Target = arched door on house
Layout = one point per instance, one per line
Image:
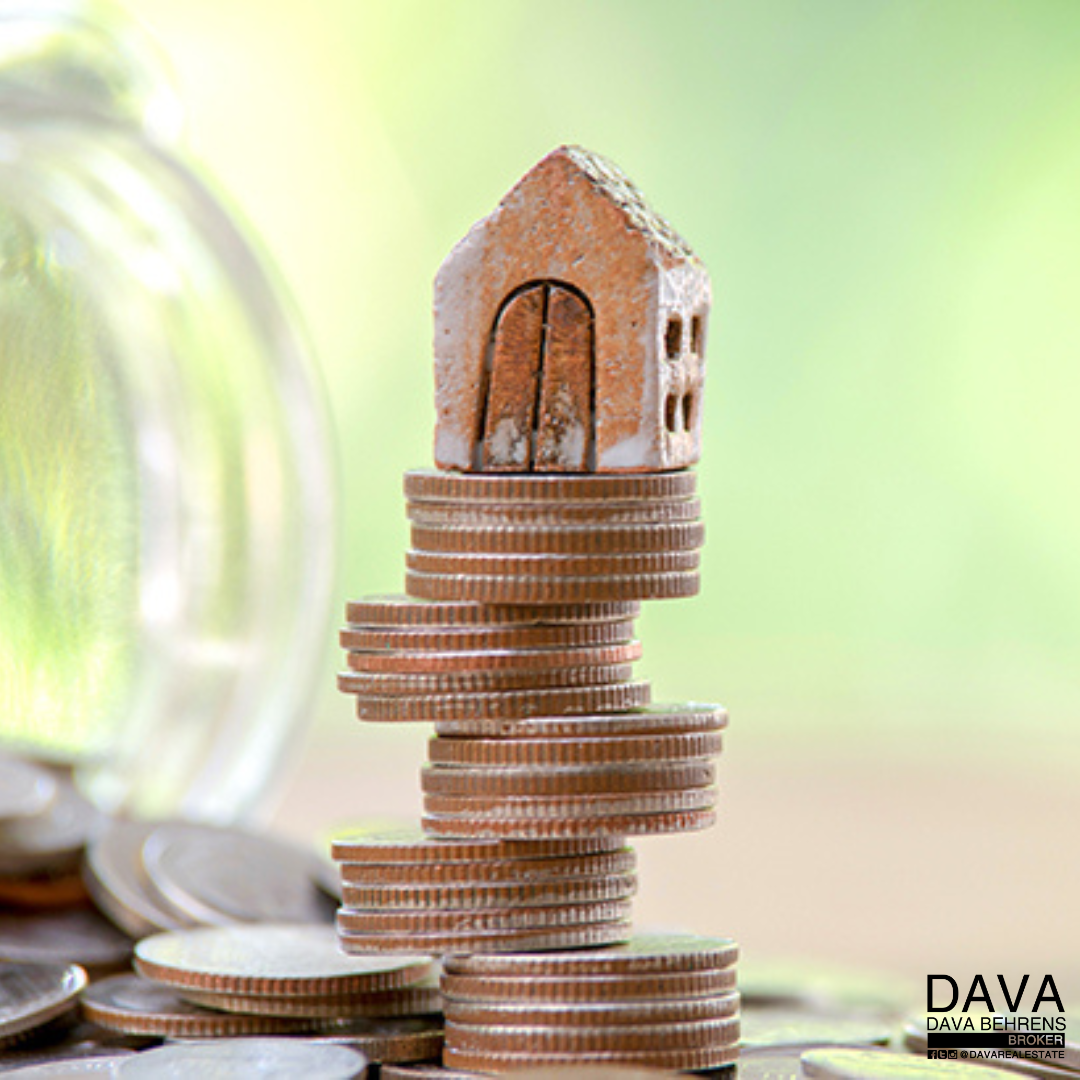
(538, 409)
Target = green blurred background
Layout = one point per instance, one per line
(887, 195)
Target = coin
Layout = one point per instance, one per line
(572, 540)
(282, 1058)
(33, 994)
(625, 778)
(549, 487)
(390, 842)
(78, 936)
(267, 959)
(396, 611)
(401, 1040)
(509, 589)
(574, 890)
(550, 753)
(774, 1028)
(481, 680)
(218, 876)
(656, 719)
(529, 808)
(138, 1006)
(769, 1065)
(846, 1064)
(487, 638)
(565, 937)
(423, 1072)
(552, 566)
(597, 514)
(643, 954)
(694, 1060)
(644, 824)
(25, 789)
(507, 1011)
(52, 840)
(531, 660)
(504, 704)
(571, 988)
(41, 892)
(479, 920)
(106, 1064)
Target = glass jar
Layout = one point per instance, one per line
(167, 528)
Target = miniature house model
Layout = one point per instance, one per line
(570, 331)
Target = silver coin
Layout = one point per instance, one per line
(73, 1068)
(33, 994)
(768, 1065)
(241, 1058)
(52, 841)
(218, 876)
(25, 789)
(848, 1064)
(77, 936)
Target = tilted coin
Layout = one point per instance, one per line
(598, 779)
(580, 540)
(644, 954)
(401, 1040)
(506, 704)
(506, 872)
(104, 1064)
(52, 840)
(572, 890)
(218, 876)
(553, 566)
(268, 958)
(593, 1014)
(642, 824)
(395, 611)
(576, 807)
(383, 842)
(33, 994)
(138, 1006)
(847, 1064)
(26, 789)
(479, 920)
(600, 514)
(548, 487)
(117, 880)
(673, 1058)
(774, 1028)
(403, 662)
(78, 936)
(284, 1059)
(678, 986)
(465, 682)
(485, 638)
(492, 753)
(564, 937)
(510, 589)
(655, 719)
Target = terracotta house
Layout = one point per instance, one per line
(570, 330)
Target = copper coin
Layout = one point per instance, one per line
(712, 1057)
(552, 566)
(849, 1064)
(383, 842)
(593, 1014)
(548, 753)
(423, 1071)
(395, 611)
(656, 719)
(414, 663)
(396, 1040)
(585, 936)
(581, 540)
(43, 892)
(219, 876)
(775, 1028)
(530, 808)
(505, 872)
(643, 824)
(489, 638)
(121, 888)
(138, 1006)
(52, 841)
(570, 989)
(506, 704)
(546, 487)
(25, 789)
(281, 1058)
(479, 920)
(576, 890)
(33, 994)
(480, 680)
(267, 959)
(600, 779)
(493, 589)
(645, 954)
(551, 516)
(79, 936)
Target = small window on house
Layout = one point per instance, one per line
(688, 411)
(673, 338)
(671, 413)
(695, 335)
